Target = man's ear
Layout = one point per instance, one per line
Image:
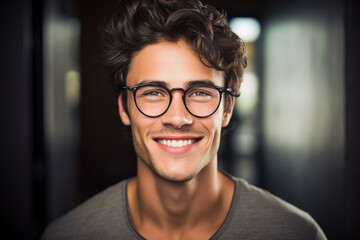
(228, 113)
(123, 114)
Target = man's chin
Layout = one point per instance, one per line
(173, 178)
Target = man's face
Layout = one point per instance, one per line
(176, 65)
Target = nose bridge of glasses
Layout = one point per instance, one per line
(176, 89)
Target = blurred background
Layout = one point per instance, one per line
(295, 131)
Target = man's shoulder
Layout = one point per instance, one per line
(253, 199)
(92, 218)
(256, 211)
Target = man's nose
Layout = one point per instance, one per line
(177, 115)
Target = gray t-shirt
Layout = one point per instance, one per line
(254, 214)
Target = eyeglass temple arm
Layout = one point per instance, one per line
(229, 91)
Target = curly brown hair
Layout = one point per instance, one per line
(138, 23)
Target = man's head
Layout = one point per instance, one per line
(190, 58)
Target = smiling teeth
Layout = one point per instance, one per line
(174, 143)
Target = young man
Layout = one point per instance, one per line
(177, 68)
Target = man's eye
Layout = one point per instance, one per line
(153, 93)
(199, 94)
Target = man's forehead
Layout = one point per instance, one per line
(173, 63)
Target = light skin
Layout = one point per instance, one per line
(178, 192)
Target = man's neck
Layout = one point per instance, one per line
(159, 207)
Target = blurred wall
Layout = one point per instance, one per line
(352, 98)
(304, 108)
(106, 153)
(61, 84)
(16, 121)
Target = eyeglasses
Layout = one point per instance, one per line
(154, 99)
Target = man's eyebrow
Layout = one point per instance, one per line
(161, 83)
(199, 82)
(188, 84)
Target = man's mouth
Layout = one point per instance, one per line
(177, 143)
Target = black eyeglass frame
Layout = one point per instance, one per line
(221, 90)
